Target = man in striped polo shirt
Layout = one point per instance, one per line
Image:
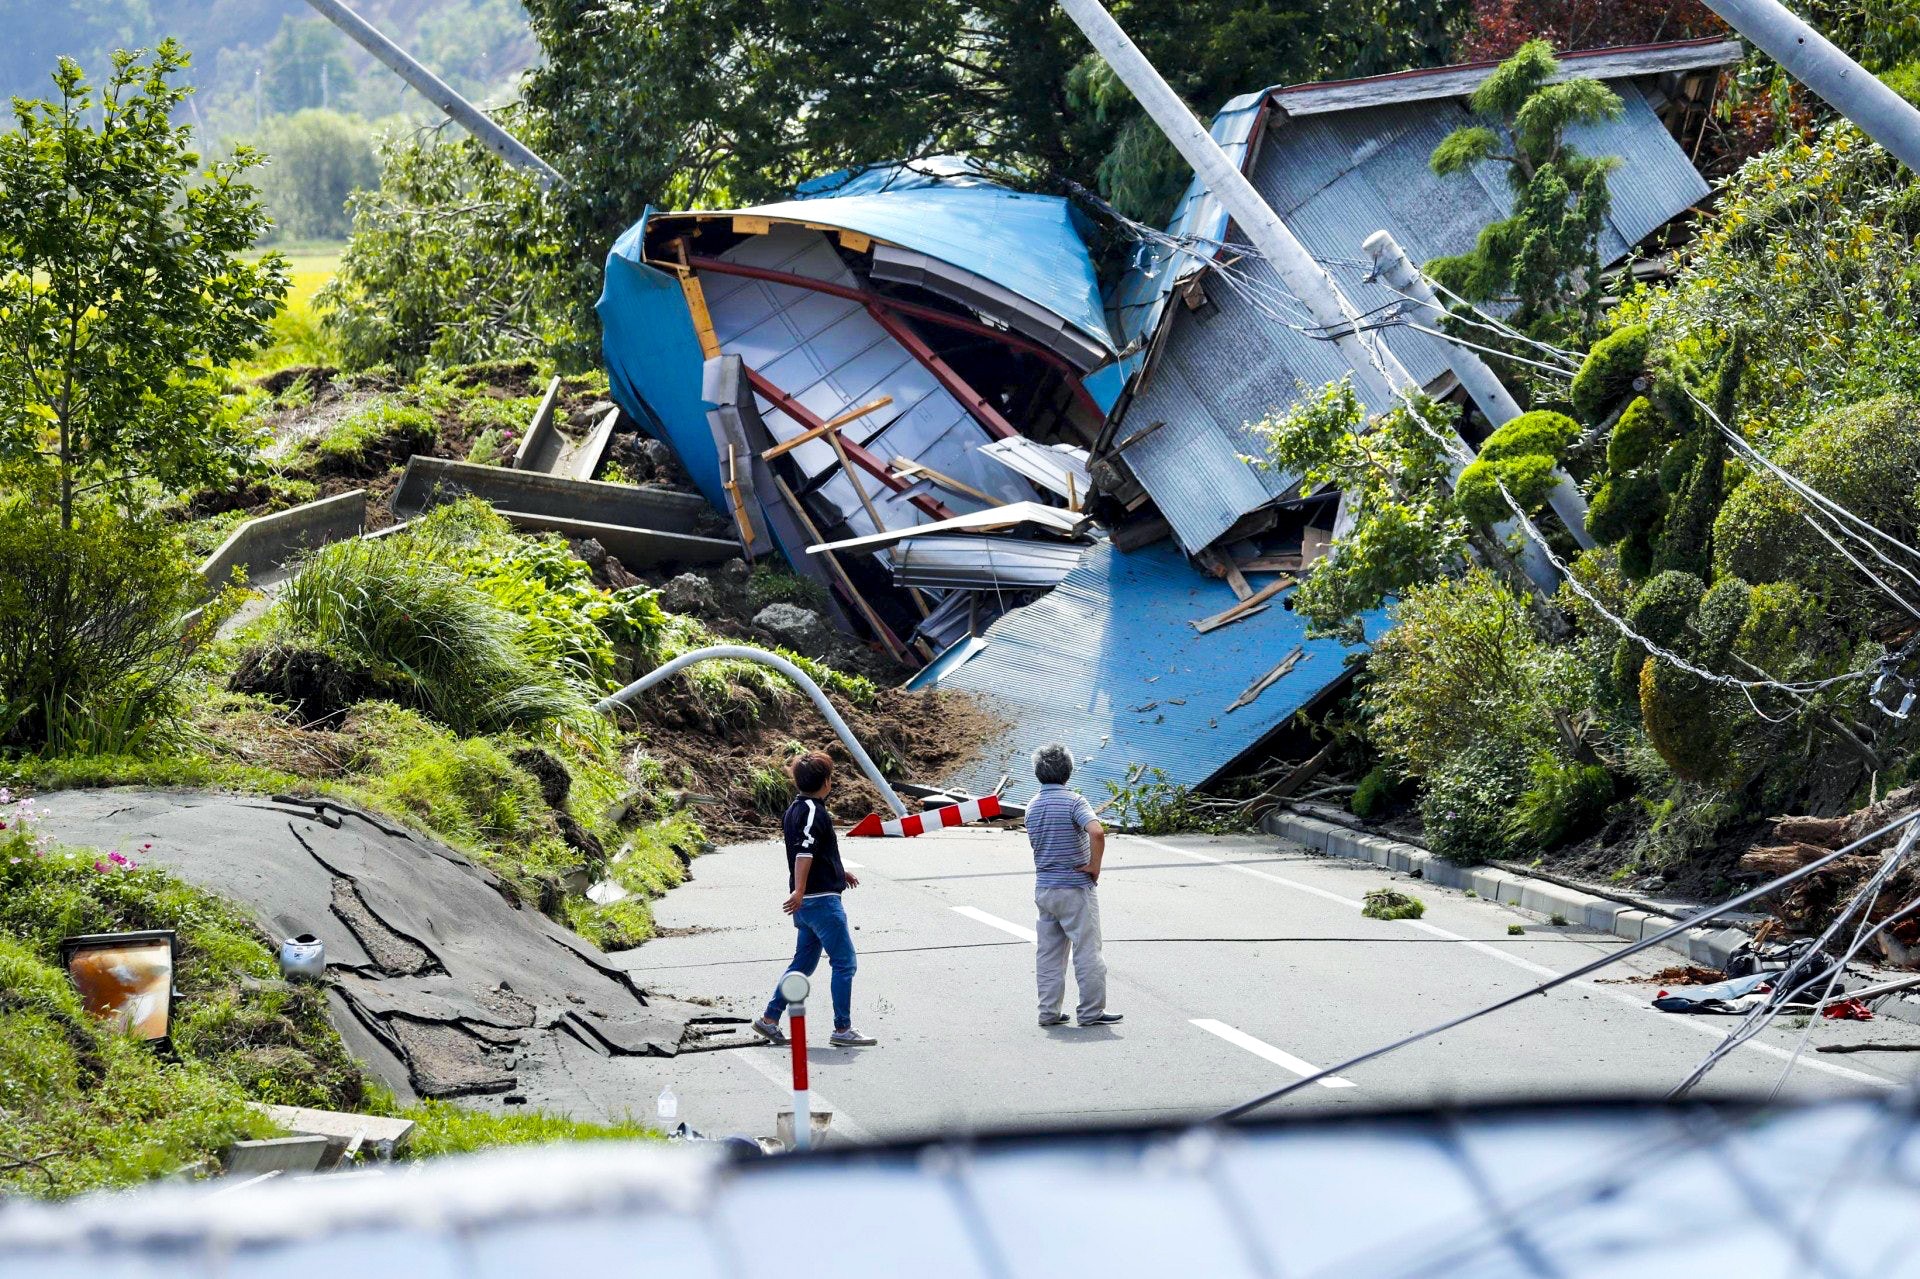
(1068, 843)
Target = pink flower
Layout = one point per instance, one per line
(100, 866)
(117, 859)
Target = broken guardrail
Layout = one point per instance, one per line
(607, 705)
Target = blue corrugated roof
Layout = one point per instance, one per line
(1107, 664)
(950, 209)
(1335, 179)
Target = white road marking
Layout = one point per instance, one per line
(1267, 1052)
(1679, 1020)
(782, 1076)
(853, 865)
(1221, 862)
(994, 921)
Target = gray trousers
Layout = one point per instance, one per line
(1069, 920)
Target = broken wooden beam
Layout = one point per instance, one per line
(1272, 677)
(880, 629)
(825, 428)
(1245, 608)
(909, 468)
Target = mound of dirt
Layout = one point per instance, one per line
(912, 736)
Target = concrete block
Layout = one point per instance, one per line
(265, 543)
(1599, 914)
(1447, 874)
(428, 480)
(1627, 924)
(631, 546)
(276, 1154)
(1544, 898)
(1496, 885)
(379, 1135)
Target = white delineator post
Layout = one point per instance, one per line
(1481, 383)
(437, 91)
(1377, 373)
(794, 988)
(1818, 63)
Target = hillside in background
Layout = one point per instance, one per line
(256, 59)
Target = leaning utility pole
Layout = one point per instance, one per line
(1481, 383)
(437, 91)
(1816, 62)
(1377, 372)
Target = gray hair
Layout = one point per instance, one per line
(1053, 765)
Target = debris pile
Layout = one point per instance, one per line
(1810, 904)
(909, 382)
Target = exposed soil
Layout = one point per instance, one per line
(912, 736)
(1678, 975)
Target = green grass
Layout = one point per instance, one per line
(298, 335)
(445, 1129)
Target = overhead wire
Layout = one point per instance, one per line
(1561, 979)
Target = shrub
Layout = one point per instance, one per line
(1866, 457)
(1463, 804)
(1689, 721)
(92, 647)
(1664, 606)
(1626, 505)
(1461, 668)
(442, 642)
(1528, 479)
(1564, 800)
(1391, 903)
(1609, 371)
(1639, 433)
(1378, 792)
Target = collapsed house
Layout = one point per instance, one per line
(908, 382)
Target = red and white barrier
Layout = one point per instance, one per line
(972, 810)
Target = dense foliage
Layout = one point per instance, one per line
(123, 288)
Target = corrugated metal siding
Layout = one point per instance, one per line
(1107, 664)
(828, 353)
(1336, 179)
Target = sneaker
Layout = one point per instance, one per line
(1058, 1019)
(1102, 1019)
(851, 1038)
(769, 1030)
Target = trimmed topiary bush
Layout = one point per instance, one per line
(1521, 455)
(1626, 505)
(1664, 606)
(1640, 432)
(1610, 369)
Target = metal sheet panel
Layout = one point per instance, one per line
(1107, 664)
(982, 563)
(1337, 178)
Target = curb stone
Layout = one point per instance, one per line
(1708, 947)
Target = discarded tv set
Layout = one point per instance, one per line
(125, 978)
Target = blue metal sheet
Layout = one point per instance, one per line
(1107, 664)
(949, 209)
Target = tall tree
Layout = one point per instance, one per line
(124, 287)
(1546, 254)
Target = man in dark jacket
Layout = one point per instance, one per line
(815, 880)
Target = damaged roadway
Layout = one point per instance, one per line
(1236, 960)
(438, 983)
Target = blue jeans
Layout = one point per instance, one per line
(822, 922)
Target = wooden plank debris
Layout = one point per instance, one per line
(1314, 544)
(880, 628)
(1246, 608)
(1271, 564)
(825, 428)
(1272, 677)
(739, 503)
(909, 468)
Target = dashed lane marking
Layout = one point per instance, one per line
(1267, 1052)
(994, 921)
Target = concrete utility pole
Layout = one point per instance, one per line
(1481, 383)
(1377, 373)
(1816, 62)
(437, 91)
